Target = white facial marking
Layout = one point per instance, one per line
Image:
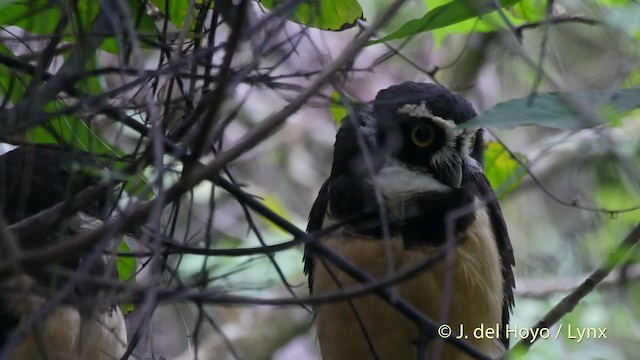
(397, 181)
(421, 111)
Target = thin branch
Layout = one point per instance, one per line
(556, 21)
(554, 197)
(543, 288)
(570, 301)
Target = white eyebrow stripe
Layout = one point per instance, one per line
(422, 111)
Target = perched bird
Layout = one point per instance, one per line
(88, 323)
(424, 167)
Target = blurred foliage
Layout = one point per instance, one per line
(504, 172)
(40, 17)
(247, 275)
(337, 109)
(175, 11)
(126, 272)
(126, 264)
(332, 15)
(43, 17)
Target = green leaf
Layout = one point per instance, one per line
(72, 130)
(444, 15)
(530, 10)
(42, 16)
(332, 15)
(483, 24)
(337, 110)
(12, 84)
(504, 172)
(87, 11)
(275, 205)
(126, 264)
(126, 273)
(37, 17)
(614, 2)
(557, 110)
(69, 129)
(145, 27)
(177, 11)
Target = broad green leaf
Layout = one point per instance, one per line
(87, 11)
(11, 84)
(530, 10)
(177, 10)
(504, 172)
(332, 15)
(38, 17)
(41, 17)
(69, 129)
(557, 110)
(337, 110)
(486, 23)
(444, 15)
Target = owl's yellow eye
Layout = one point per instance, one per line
(422, 135)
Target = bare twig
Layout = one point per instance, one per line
(556, 21)
(543, 288)
(570, 301)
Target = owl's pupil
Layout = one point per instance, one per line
(422, 135)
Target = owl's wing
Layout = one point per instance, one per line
(504, 248)
(316, 217)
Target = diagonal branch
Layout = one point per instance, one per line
(570, 301)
